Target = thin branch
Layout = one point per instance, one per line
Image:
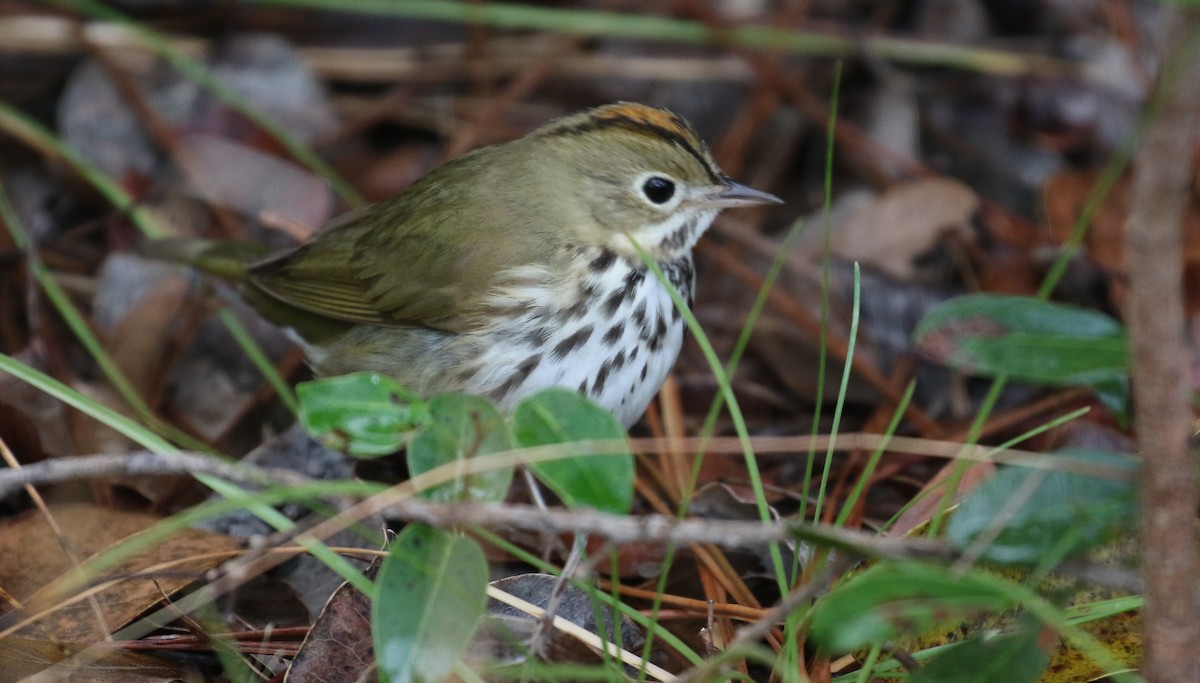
(1161, 360)
(140, 464)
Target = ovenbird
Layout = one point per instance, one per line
(508, 270)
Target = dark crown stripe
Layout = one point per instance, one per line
(672, 129)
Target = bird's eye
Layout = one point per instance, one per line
(658, 189)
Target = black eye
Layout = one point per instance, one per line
(658, 189)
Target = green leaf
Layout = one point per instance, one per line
(1030, 340)
(560, 416)
(1020, 313)
(1067, 513)
(430, 595)
(462, 427)
(363, 414)
(894, 600)
(1012, 658)
(1047, 358)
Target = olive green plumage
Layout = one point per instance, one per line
(507, 241)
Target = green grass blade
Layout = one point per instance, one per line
(34, 134)
(876, 455)
(255, 353)
(667, 29)
(735, 411)
(129, 428)
(83, 332)
(841, 400)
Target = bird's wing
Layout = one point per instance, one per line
(426, 257)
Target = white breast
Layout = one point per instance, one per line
(617, 349)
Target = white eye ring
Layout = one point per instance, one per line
(658, 190)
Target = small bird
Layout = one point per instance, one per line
(508, 270)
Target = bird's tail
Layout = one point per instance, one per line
(222, 258)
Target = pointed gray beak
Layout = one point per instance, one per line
(731, 194)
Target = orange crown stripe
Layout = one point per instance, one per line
(639, 118)
(640, 113)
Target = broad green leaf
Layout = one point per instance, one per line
(462, 427)
(1020, 313)
(560, 416)
(1067, 513)
(429, 597)
(1030, 340)
(364, 413)
(1047, 358)
(1020, 657)
(891, 601)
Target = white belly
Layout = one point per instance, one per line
(617, 350)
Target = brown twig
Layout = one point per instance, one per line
(689, 606)
(621, 529)
(1161, 360)
(143, 463)
(140, 464)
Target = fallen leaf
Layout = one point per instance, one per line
(37, 571)
(21, 658)
(256, 184)
(338, 647)
(906, 222)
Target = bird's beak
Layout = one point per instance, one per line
(730, 194)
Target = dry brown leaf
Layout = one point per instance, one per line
(274, 190)
(929, 498)
(338, 647)
(137, 342)
(905, 222)
(21, 658)
(36, 567)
